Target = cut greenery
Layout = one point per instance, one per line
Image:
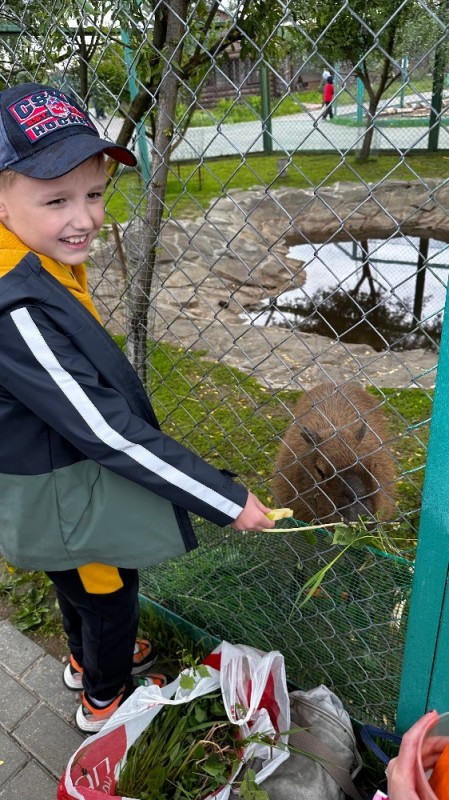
(386, 537)
(189, 750)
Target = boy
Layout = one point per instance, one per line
(90, 488)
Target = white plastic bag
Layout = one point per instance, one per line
(249, 680)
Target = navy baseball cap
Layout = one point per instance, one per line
(44, 133)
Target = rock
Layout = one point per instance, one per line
(213, 269)
(348, 211)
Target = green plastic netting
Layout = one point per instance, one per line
(247, 588)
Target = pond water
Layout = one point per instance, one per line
(338, 299)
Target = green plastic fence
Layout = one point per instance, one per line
(247, 587)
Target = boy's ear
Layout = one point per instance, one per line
(3, 209)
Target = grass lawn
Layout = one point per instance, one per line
(191, 187)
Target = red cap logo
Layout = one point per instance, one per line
(45, 112)
(58, 107)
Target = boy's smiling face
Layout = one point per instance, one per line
(59, 217)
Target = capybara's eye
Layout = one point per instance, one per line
(320, 472)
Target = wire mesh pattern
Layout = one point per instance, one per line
(259, 250)
(350, 636)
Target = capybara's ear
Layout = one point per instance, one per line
(311, 437)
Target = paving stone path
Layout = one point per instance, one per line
(37, 733)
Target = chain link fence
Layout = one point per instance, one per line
(257, 251)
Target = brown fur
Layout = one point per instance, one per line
(333, 461)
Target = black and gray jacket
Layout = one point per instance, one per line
(86, 475)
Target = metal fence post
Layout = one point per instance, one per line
(424, 682)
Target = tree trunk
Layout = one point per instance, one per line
(365, 150)
(385, 79)
(138, 108)
(140, 287)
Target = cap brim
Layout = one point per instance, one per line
(63, 156)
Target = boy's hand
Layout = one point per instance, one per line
(253, 517)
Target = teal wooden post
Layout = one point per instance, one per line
(337, 86)
(265, 96)
(360, 97)
(424, 682)
(404, 78)
(439, 67)
(145, 161)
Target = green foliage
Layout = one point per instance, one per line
(249, 790)
(409, 419)
(175, 643)
(188, 751)
(360, 31)
(111, 76)
(263, 26)
(68, 28)
(32, 594)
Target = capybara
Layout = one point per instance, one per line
(333, 462)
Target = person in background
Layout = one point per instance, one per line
(325, 75)
(99, 109)
(328, 97)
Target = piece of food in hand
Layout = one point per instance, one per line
(439, 779)
(279, 513)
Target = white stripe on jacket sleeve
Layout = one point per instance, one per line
(81, 403)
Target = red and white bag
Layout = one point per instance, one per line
(249, 679)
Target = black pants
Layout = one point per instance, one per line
(101, 629)
(328, 110)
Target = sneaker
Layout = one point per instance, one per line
(145, 657)
(90, 719)
(72, 676)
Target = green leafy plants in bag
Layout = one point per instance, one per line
(189, 751)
